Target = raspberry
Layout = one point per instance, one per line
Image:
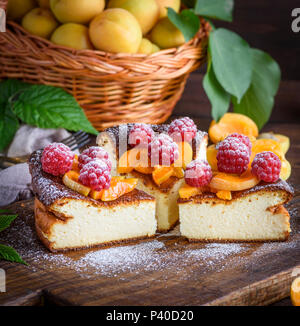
(198, 173)
(183, 129)
(163, 150)
(233, 156)
(244, 139)
(57, 159)
(92, 153)
(266, 166)
(95, 175)
(140, 134)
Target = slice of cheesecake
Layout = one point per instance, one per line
(115, 141)
(256, 214)
(66, 220)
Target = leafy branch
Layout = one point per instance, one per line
(236, 73)
(38, 105)
(8, 253)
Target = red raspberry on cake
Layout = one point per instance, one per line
(140, 134)
(233, 156)
(266, 166)
(243, 138)
(198, 173)
(92, 153)
(57, 159)
(183, 129)
(163, 150)
(96, 175)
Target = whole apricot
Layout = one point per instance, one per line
(76, 11)
(164, 4)
(146, 12)
(40, 22)
(146, 47)
(16, 9)
(155, 48)
(166, 35)
(44, 3)
(116, 30)
(72, 35)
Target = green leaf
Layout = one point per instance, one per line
(10, 87)
(6, 220)
(8, 253)
(9, 123)
(218, 97)
(187, 22)
(217, 9)
(51, 107)
(232, 61)
(258, 101)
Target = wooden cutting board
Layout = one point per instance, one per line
(165, 271)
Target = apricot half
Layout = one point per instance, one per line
(70, 179)
(295, 292)
(185, 155)
(211, 155)
(286, 169)
(263, 145)
(232, 123)
(224, 181)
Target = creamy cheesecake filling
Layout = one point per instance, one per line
(166, 212)
(92, 225)
(246, 218)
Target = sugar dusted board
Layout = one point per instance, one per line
(165, 271)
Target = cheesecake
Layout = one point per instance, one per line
(67, 220)
(255, 214)
(115, 141)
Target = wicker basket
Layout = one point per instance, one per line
(111, 88)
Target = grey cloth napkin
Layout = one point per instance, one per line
(15, 182)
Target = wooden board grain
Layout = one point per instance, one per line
(165, 271)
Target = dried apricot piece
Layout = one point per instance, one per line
(75, 166)
(178, 172)
(224, 194)
(161, 174)
(187, 191)
(232, 123)
(96, 194)
(118, 188)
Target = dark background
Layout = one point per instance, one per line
(264, 24)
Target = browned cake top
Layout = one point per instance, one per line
(280, 185)
(49, 189)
